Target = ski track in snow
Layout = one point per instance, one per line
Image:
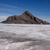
(24, 37)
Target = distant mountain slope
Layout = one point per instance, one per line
(25, 18)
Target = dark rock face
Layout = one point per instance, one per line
(25, 18)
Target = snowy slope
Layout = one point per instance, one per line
(24, 37)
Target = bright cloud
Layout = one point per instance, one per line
(3, 18)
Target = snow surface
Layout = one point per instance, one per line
(24, 37)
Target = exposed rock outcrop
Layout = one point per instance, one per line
(25, 18)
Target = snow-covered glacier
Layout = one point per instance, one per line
(24, 37)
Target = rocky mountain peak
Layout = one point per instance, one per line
(25, 18)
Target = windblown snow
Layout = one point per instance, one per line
(24, 37)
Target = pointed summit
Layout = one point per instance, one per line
(25, 18)
(28, 13)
